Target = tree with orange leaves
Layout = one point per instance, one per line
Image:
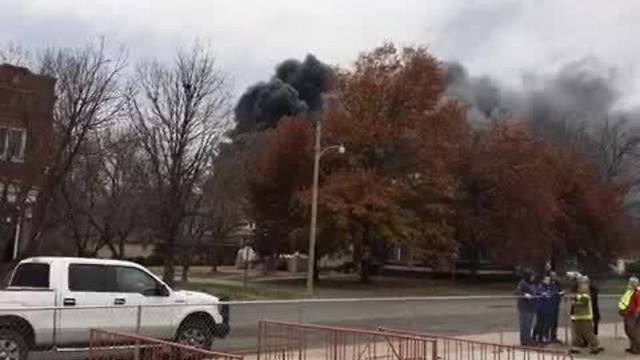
(394, 184)
(416, 174)
(279, 170)
(591, 207)
(526, 201)
(507, 195)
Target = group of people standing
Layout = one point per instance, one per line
(539, 311)
(539, 308)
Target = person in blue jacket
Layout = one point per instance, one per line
(556, 296)
(526, 294)
(544, 311)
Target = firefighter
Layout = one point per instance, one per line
(582, 319)
(629, 307)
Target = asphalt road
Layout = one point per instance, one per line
(435, 316)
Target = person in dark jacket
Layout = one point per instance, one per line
(593, 290)
(556, 298)
(544, 312)
(526, 292)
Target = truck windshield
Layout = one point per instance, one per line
(31, 275)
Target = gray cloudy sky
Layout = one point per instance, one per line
(501, 38)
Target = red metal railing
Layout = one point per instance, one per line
(453, 348)
(110, 345)
(289, 341)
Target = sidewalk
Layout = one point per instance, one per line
(611, 337)
(614, 346)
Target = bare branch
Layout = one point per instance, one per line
(179, 113)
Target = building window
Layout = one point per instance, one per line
(12, 144)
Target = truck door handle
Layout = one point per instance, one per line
(119, 301)
(69, 302)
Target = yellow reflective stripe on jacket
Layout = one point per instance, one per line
(582, 308)
(625, 301)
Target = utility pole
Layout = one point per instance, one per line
(314, 209)
(317, 154)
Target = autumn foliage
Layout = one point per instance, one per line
(394, 184)
(418, 175)
(507, 193)
(281, 167)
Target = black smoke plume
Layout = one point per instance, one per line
(581, 94)
(295, 88)
(580, 105)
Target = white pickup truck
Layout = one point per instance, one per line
(53, 302)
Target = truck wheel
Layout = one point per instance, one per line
(195, 332)
(12, 346)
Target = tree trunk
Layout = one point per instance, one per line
(80, 251)
(316, 270)
(474, 260)
(168, 273)
(474, 263)
(269, 263)
(365, 261)
(185, 272)
(5, 270)
(357, 258)
(121, 254)
(186, 260)
(214, 262)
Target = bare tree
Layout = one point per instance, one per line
(191, 243)
(220, 210)
(15, 55)
(180, 113)
(88, 98)
(225, 199)
(102, 196)
(618, 149)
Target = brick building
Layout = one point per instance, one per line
(26, 131)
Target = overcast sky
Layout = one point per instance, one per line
(501, 38)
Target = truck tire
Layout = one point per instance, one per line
(195, 332)
(12, 345)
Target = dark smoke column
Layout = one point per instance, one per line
(295, 88)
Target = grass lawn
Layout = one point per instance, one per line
(382, 286)
(239, 293)
(385, 286)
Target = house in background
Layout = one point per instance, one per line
(210, 250)
(134, 249)
(26, 134)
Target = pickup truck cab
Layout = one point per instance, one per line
(53, 302)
